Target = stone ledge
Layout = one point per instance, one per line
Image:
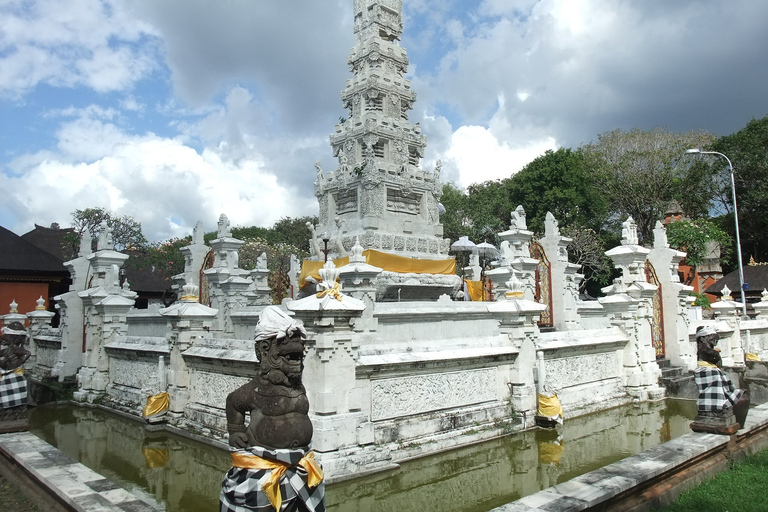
(69, 483)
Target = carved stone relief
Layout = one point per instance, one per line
(135, 374)
(405, 396)
(212, 388)
(573, 370)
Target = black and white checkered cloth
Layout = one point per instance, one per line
(716, 391)
(241, 488)
(13, 390)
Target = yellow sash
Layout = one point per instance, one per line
(272, 487)
(334, 291)
(17, 371)
(704, 364)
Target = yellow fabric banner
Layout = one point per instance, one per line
(549, 406)
(385, 261)
(476, 290)
(156, 404)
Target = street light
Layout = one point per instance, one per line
(697, 151)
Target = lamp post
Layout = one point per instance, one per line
(697, 151)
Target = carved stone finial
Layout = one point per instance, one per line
(514, 287)
(764, 296)
(517, 219)
(224, 231)
(14, 306)
(40, 304)
(550, 225)
(726, 293)
(190, 293)
(629, 232)
(357, 253)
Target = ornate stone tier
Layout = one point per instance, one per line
(379, 194)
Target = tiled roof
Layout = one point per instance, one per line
(18, 256)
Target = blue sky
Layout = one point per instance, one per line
(176, 111)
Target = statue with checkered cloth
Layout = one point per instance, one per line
(273, 467)
(721, 407)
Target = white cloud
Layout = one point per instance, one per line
(164, 184)
(68, 43)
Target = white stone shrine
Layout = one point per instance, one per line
(386, 381)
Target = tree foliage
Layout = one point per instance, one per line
(641, 172)
(278, 262)
(558, 182)
(695, 238)
(126, 231)
(748, 151)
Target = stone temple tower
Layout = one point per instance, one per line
(379, 194)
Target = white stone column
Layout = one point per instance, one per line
(336, 403)
(564, 277)
(517, 318)
(190, 321)
(729, 311)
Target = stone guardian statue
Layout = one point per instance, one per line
(273, 467)
(13, 383)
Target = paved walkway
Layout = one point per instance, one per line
(76, 486)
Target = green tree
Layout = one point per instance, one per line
(641, 172)
(698, 238)
(126, 231)
(278, 262)
(748, 151)
(558, 182)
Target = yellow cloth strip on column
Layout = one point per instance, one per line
(156, 404)
(752, 357)
(549, 406)
(475, 289)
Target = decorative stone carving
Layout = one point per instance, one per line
(405, 396)
(573, 370)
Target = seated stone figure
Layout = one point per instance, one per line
(273, 466)
(13, 384)
(721, 407)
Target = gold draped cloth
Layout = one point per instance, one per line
(476, 290)
(385, 261)
(156, 404)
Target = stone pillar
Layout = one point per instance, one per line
(665, 261)
(194, 256)
(105, 307)
(729, 311)
(517, 320)
(259, 292)
(71, 313)
(190, 322)
(628, 302)
(515, 256)
(336, 405)
(229, 283)
(564, 277)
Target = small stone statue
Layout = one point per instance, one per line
(721, 407)
(272, 461)
(13, 384)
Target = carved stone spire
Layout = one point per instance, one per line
(379, 190)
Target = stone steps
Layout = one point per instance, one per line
(677, 384)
